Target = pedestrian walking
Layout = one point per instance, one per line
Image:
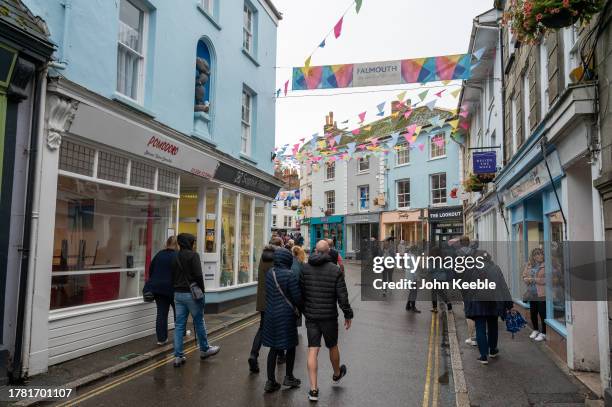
(160, 283)
(334, 254)
(438, 273)
(324, 289)
(283, 302)
(297, 267)
(265, 263)
(486, 308)
(534, 276)
(413, 275)
(388, 251)
(186, 276)
(299, 240)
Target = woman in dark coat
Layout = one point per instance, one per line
(283, 298)
(486, 307)
(161, 285)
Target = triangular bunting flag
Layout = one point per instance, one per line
(278, 91)
(362, 117)
(454, 124)
(431, 105)
(478, 54)
(322, 44)
(358, 4)
(439, 94)
(401, 96)
(338, 28)
(307, 62)
(423, 95)
(456, 93)
(286, 87)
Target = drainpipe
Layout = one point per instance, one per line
(30, 231)
(67, 18)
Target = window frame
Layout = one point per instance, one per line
(397, 193)
(360, 160)
(332, 194)
(330, 165)
(274, 220)
(249, 32)
(434, 147)
(404, 148)
(246, 143)
(142, 54)
(432, 189)
(367, 207)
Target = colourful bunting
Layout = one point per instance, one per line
(478, 54)
(401, 96)
(322, 44)
(407, 113)
(362, 117)
(278, 91)
(423, 95)
(454, 124)
(358, 4)
(286, 87)
(456, 93)
(356, 132)
(439, 94)
(307, 62)
(337, 139)
(338, 28)
(421, 146)
(431, 105)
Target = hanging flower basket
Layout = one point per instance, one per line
(307, 202)
(530, 19)
(328, 212)
(473, 184)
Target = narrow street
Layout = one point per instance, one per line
(393, 359)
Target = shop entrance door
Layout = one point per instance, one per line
(332, 231)
(188, 212)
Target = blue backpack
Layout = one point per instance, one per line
(514, 322)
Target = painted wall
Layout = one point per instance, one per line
(418, 171)
(320, 185)
(356, 179)
(86, 34)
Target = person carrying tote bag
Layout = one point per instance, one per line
(189, 298)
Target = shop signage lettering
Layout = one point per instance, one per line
(445, 214)
(534, 179)
(162, 145)
(484, 162)
(234, 176)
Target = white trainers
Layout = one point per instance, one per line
(471, 341)
(534, 334)
(541, 337)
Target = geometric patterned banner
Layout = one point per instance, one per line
(418, 70)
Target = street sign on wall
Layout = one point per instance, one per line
(484, 162)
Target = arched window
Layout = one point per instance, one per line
(203, 77)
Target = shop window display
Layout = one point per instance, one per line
(245, 239)
(259, 234)
(210, 240)
(228, 237)
(104, 240)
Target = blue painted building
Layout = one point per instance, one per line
(159, 120)
(422, 178)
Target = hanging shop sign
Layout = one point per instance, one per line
(362, 218)
(418, 70)
(101, 127)
(242, 179)
(484, 162)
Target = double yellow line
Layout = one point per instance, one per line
(146, 369)
(432, 352)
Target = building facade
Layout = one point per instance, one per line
(25, 50)
(543, 191)
(422, 175)
(146, 136)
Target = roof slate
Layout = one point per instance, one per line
(15, 13)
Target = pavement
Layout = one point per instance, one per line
(525, 373)
(394, 358)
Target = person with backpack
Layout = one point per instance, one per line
(161, 285)
(283, 302)
(189, 290)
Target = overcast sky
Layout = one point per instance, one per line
(383, 30)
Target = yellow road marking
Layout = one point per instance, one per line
(436, 386)
(123, 379)
(429, 356)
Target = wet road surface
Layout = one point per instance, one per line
(393, 358)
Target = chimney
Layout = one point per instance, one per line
(329, 123)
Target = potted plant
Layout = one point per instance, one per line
(530, 19)
(473, 184)
(294, 207)
(307, 202)
(328, 212)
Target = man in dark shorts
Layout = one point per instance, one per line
(323, 289)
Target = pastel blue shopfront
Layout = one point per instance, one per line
(328, 227)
